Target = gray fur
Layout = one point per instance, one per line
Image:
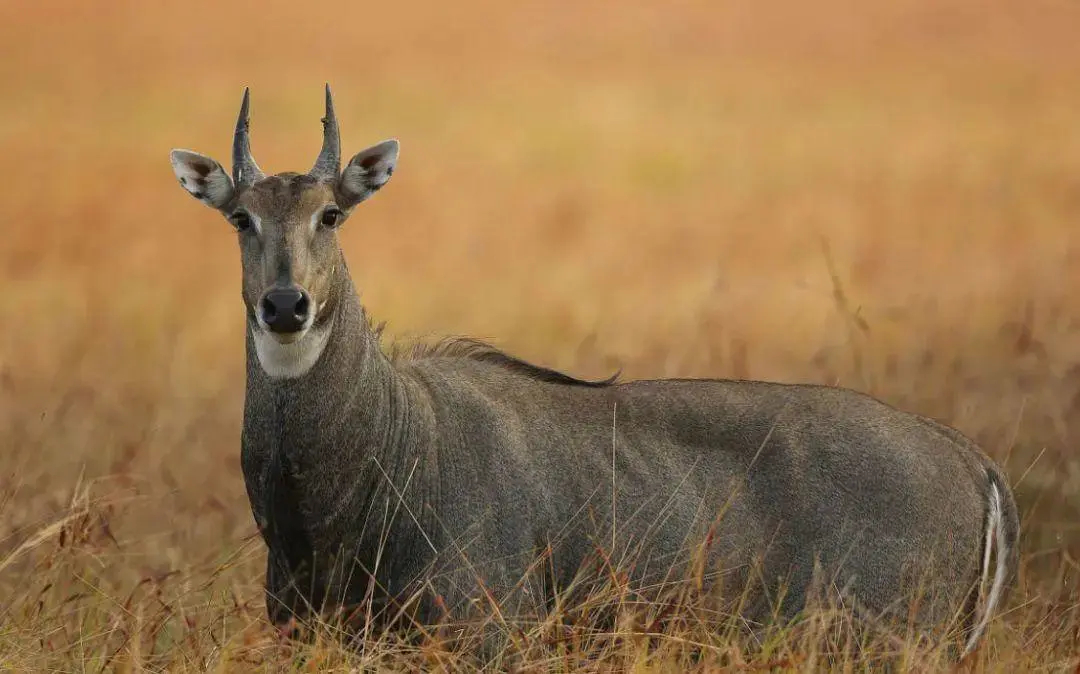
(461, 463)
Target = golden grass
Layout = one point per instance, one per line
(661, 187)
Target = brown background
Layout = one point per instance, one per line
(657, 187)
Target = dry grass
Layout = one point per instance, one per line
(883, 196)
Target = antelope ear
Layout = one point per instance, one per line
(202, 177)
(368, 171)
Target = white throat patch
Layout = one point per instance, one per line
(289, 361)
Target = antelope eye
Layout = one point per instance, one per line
(330, 217)
(241, 220)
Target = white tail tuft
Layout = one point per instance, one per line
(995, 536)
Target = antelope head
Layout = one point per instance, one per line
(286, 226)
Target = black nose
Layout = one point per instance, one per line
(285, 309)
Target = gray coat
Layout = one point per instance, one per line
(463, 464)
(433, 479)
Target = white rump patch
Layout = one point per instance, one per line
(202, 177)
(289, 361)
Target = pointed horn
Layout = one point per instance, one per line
(245, 170)
(328, 165)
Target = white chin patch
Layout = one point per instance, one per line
(292, 360)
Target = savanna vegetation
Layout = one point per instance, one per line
(878, 196)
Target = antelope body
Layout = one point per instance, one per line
(372, 478)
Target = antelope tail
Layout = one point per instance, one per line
(1000, 539)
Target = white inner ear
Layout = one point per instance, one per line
(202, 177)
(370, 169)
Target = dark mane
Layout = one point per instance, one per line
(475, 349)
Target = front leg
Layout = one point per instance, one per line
(285, 606)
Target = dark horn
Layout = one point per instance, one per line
(328, 165)
(245, 170)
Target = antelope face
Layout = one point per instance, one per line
(289, 252)
(286, 226)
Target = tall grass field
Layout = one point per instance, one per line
(883, 196)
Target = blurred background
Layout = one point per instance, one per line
(876, 195)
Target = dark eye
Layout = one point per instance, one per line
(330, 217)
(241, 220)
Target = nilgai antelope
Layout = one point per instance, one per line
(441, 477)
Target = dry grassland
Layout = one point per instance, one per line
(884, 196)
